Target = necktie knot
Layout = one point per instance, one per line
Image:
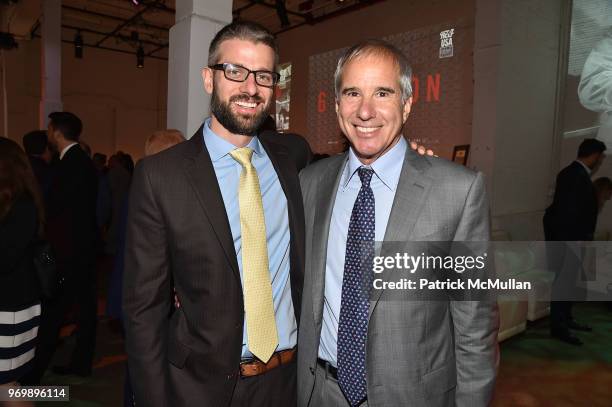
(365, 175)
(243, 156)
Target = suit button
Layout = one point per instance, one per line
(230, 376)
(312, 370)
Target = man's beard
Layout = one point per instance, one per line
(234, 123)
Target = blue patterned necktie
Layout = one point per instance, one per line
(356, 283)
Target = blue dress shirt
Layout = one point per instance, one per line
(276, 217)
(387, 170)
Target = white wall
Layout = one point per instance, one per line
(516, 58)
(119, 104)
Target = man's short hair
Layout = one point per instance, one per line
(68, 124)
(242, 30)
(590, 146)
(161, 140)
(35, 142)
(381, 49)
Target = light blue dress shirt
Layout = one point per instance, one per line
(387, 170)
(276, 217)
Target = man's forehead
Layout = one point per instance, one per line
(371, 71)
(242, 52)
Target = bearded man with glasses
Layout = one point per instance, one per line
(219, 221)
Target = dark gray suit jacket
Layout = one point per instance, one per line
(419, 353)
(179, 239)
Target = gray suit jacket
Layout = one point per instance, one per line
(419, 353)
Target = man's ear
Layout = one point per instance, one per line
(207, 79)
(407, 107)
(54, 135)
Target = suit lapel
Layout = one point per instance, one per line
(288, 177)
(412, 191)
(327, 187)
(201, 174)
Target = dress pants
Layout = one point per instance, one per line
(80, 288)
(276, 388)
(566, 260)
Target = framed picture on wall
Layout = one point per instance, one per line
(460, 154)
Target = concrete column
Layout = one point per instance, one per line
(197, 22)
(51, 60)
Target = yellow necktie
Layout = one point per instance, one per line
(257, 288)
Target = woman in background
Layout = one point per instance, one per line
(21, 223)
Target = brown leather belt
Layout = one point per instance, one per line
(256, 367)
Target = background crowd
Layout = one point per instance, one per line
(60, 201)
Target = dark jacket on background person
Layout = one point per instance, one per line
(18, 279)
(72, 208)
(572, 216)
(44, 175)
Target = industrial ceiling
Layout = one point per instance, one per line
(133, 26)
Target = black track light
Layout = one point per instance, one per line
(140, 57)
(281, 11)
(78, 45)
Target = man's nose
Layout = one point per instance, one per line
(366, 109)
(249, 86)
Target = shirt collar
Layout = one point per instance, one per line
(387, 167)
(63, 153)
(218, 147)
(588, 170)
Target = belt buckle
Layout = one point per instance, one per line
(259, 368)
(250, 366)
(329, 370)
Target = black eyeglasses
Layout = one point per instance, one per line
(239, 73)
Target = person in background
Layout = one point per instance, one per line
(128, 162)
(571, 217)
(119, 179)
(99, 161)
(85, 148)
(21, 225)
(37, 148)
(603, 190)
(103, 206)
(161, 140)
(71, 230)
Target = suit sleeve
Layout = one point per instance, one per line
(475, 322)
(146, 293)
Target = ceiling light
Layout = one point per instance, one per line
(140, 56)
(78, 45)
(281, 10)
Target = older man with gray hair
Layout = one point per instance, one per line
(362, 349)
